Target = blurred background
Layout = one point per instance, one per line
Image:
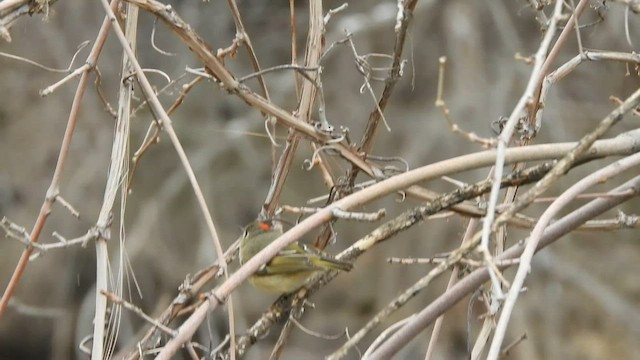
(583, 296)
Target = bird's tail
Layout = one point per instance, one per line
(334, 264)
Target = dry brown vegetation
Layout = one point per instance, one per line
(505, 129)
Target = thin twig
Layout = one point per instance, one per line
(472, 281)
(229, 83)
(505, 136)
(453, 279)
(129, 306)
(307, 99)
(53, 190)
(166, 123)
(525, 260)
(442, 105)
(383, 232)
(393, 184)
(44, 67)
(514, 343)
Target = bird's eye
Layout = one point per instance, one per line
(246, 232)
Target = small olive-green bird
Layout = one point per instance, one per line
(291, 267)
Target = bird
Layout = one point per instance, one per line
(291, 267)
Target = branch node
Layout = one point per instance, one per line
(358, 216)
